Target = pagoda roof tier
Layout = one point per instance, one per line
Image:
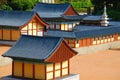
(46, 49)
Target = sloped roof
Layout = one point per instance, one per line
(83, 31)
(15, 18)
(34, 47)
(46, 10)
(58, 33)
(92, 18)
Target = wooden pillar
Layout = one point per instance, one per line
(60, 69)
(23, 69)
(45, 72)
(54, 26)
(33, 71)
(12, 68)
(60, 26)
(10, 34)
(53, 70)
(68, 67)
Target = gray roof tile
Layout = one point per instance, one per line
(83, 31)
(50, 10)
(15, 18)
(34, 47)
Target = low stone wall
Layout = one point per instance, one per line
(95, 48)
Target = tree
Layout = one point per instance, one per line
(22, 4)
(5, 7)
(2, 2)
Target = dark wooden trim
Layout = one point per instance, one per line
(12, 68)
(45, 72)
(68, 67)
(60, 69)
(23, 69)
(60, 26)
(10, 34)
(33, 71)
(53, 70)
(55, 26)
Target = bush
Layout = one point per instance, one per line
(5, 7)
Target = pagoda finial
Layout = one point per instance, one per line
(105, 13)
(104, 19)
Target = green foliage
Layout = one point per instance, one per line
(5, 7)
(2, 2)
(79, 5)
(22, 4)
(115, 15)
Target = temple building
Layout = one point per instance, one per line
(59, 16)
(15, 23)
(44, 58)
(93, 31)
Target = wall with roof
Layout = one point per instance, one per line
(17, 69)
(33, 28)
(95, 48)
(9, 34)
(28, 70)
(39, 71)
(55, 70)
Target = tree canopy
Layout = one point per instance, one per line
(17, 4)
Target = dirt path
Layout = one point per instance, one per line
(103, 65)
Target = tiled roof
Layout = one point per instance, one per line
(15, 18)
(34, 47)
(58, 33)
(78, 17)
(46, 10)
(92, 18)
(82, 31)
(54, 12)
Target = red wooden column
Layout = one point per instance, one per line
(60, 69)
(68, 67)
(53, 70)
(23, 69)
(45, 72)
(33, 71)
